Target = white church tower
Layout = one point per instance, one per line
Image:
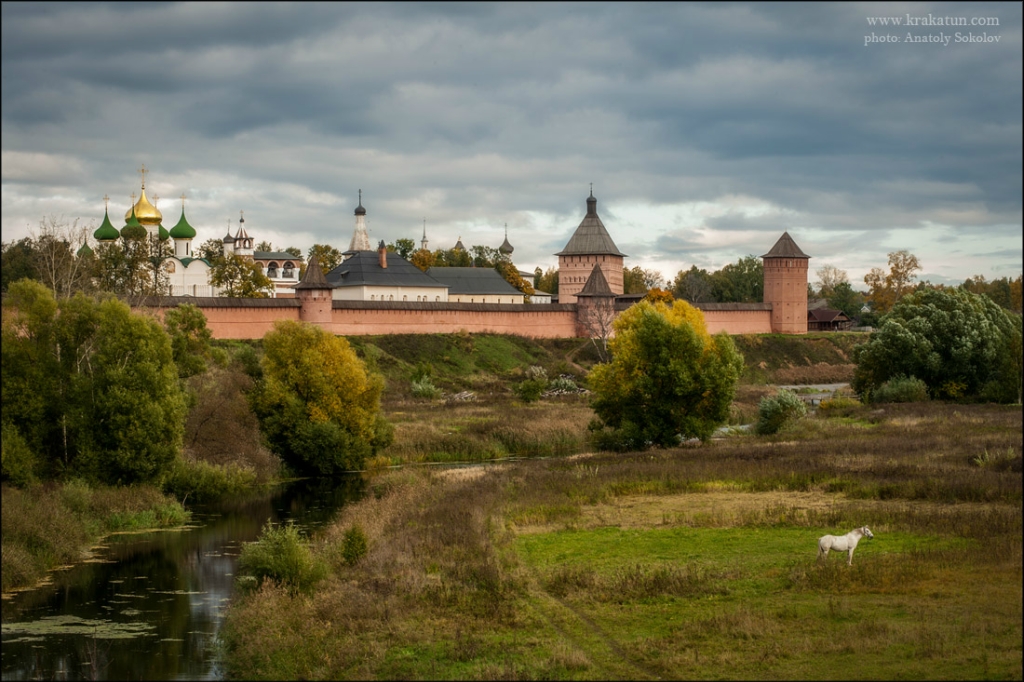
(360, 238)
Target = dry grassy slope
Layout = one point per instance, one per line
(480, 361)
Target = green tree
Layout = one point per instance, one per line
(91, 387)
(210, 250)
(668, 378)
(960, 344)
(190, 339)
(294, 250)
(740, 282)
(404, 247)
(547, 282)
(328, 256)
(264, 246)
(845, 299)
(633, 280)
(694, 285)
(124, 267)
(452, 258)
(318, 406)
(18, 261)
(240, 277)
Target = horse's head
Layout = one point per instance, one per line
(867, 532)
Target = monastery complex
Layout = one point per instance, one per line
(374, 291)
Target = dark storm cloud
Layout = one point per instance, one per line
(478, 114)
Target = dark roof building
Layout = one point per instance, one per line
(363, 268)
(473, 281)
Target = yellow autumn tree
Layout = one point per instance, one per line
(318, 405)
(669, 379)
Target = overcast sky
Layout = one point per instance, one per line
(706, 129)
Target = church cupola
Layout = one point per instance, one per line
(106, 232)
(183, 234)
(506, 249)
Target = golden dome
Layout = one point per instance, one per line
(147, 213)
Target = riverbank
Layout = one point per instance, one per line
(52, 525)
(676, 563)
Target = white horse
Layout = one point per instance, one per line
(843, 543)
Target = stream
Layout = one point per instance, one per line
(150, 605)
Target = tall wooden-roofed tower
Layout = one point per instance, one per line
(785, 286)
(589, 245)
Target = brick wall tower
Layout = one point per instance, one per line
(589, 245)
(314, 294)
(785, 286)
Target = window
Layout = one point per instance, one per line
(438, 298)
(272, 269)
(373, 297)
(391, 297)
(405, 298)
(289, 270)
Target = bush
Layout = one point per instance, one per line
(423, 388)
(775, 413)
(564, 384)
(900, 389)
(353, 545)
(17, 463)
(530, 390)
(201, 481)
(281, 555)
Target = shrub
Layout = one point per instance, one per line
(776, 412)
(17, 463)
(900, 389)
(530, 390)
(423, 388)
(563, 384)
(281, 555)
(353, 545)
(203, 481)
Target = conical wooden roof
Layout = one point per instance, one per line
(590, 238)
(785, 248)
(596, 285)
(314, 276)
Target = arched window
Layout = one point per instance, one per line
(405, 298)
(437, 298)
(373, 297)
(272, 269)
(391, 297)
(289, 270)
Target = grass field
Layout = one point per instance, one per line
(687, 563)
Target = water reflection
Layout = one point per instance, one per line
(152, 609)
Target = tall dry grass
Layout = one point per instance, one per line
(442, 592)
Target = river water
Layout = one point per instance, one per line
(150, 606)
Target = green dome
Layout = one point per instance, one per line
(162, 233)
(133, 229)
(183, 230)
(106, 231)
(84, 250)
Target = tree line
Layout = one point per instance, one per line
(93, 390)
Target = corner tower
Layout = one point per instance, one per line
(785, 286)
(589, 245)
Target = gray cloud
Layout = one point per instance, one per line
(474, 115)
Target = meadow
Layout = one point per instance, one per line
(695, 562)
